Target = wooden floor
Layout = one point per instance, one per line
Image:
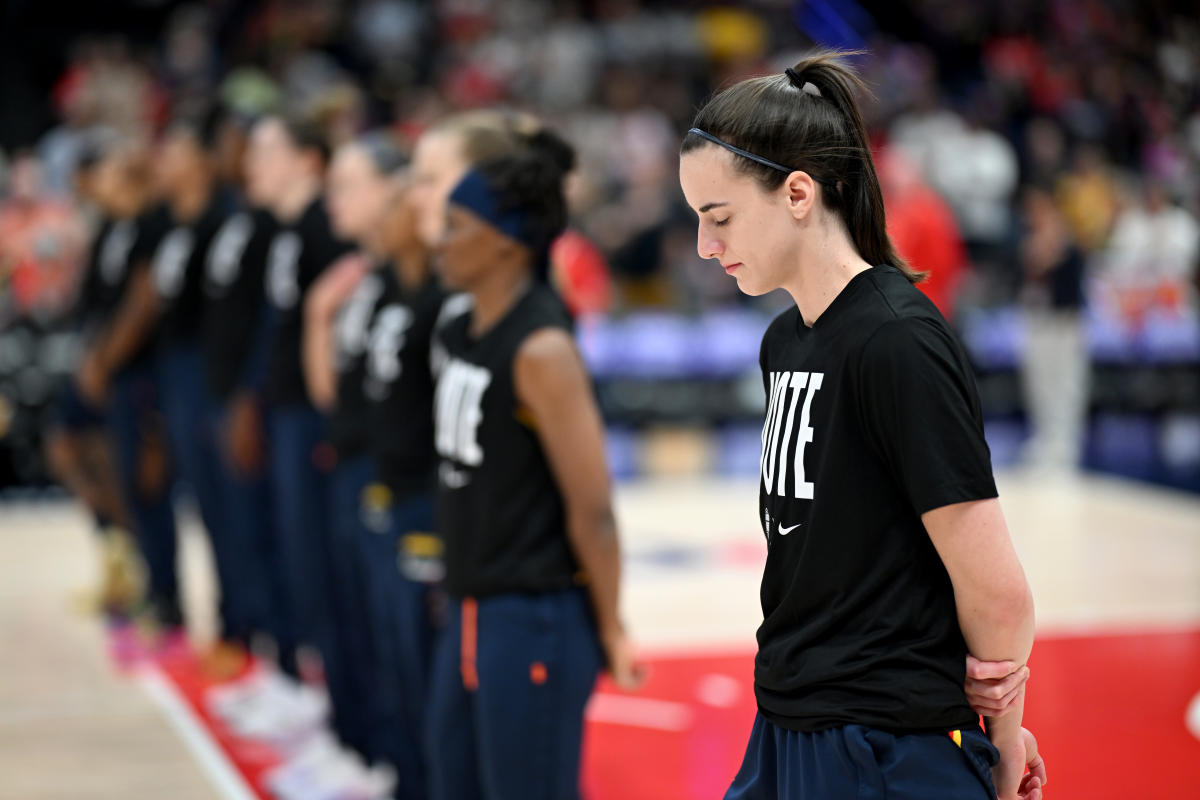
(1102, 555)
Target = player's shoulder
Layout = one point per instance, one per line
(904, 324)
(892, 304)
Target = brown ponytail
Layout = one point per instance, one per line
(808, 119)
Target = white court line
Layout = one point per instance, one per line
(640, 712)
(225, 778)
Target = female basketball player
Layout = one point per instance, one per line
(888, 558)
(367, 332)
(532, 558)
(286, 163)
(117, 371)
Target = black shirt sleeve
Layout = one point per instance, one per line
(920, 408)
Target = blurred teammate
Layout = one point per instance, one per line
(233, 351)
(77, 443)
(199, 206)
(367, 332)
(286, 164)
(888, 559)
(117, 371)
(532, 557)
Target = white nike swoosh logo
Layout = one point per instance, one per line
(785, 531)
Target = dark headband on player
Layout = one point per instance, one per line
(766, 162)
(474, 194)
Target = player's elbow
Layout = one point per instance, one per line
(1001, 619)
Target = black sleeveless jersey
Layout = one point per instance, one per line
(397, 382)
(872, 419)
(299, 253)
(234, 295)
(178, 269)
(500, 511)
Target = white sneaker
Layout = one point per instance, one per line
(285, 720)
(228, 700)
(321, 747)
(343, 776)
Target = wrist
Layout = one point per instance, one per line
(614, 629)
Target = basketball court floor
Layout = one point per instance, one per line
(1114, 695)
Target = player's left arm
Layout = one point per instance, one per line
(552, 384)
(995, 613)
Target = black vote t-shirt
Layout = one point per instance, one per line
(873, 418)
(178, 267)
(499, 510)
(398, 383)
(235, 295)
(300, 251)
(104, 275)
(348, 427)
(150, 227)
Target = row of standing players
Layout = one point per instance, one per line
(457, 572)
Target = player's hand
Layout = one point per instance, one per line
(245, 435)
(1021, 773)
(623, 667)
(994, 686)
(92, 380)
(336, 284)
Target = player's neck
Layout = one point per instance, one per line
(298, 198)
(497, 292)
(824, 267)
(190, 202)
(412, 267)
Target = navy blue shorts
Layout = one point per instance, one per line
(864, 763)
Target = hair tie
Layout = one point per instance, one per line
(795, 78)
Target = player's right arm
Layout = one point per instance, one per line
(327, 295)
(129, 329)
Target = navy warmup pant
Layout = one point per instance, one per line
(188, 407)
(860, 762)
(351, 674)
(132, 416)
(247, 506)
(511, 677)
(402, 560)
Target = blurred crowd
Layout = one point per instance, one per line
(1040, 156)
(1023, 144)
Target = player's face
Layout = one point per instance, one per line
(469, 248)
(438, 165)
(269, 159)
(400, 221)
(357, 195)
(119, 189)
(748, 230)
(179, 157)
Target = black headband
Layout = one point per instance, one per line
(766, 162)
